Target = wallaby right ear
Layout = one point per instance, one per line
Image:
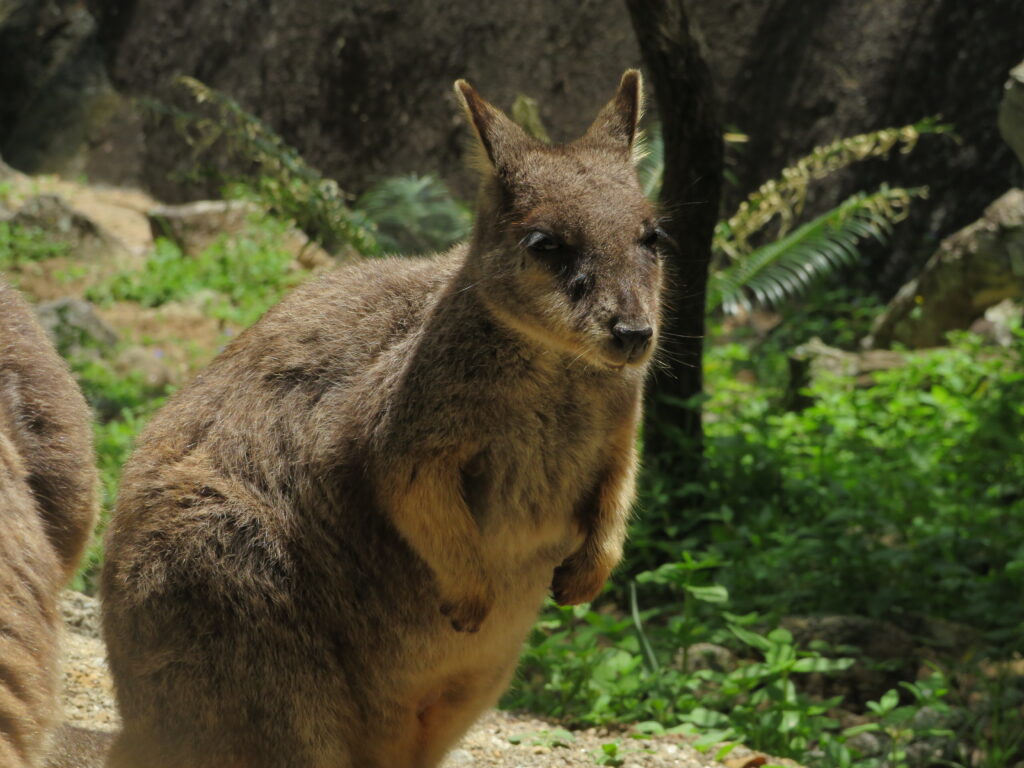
(617, 122)
(499, 136)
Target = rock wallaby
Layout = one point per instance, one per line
(47, 511)
(329, 547)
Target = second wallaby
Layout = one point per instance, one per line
(329, 547)
(48, 504)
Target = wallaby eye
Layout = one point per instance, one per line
(540, 242)
(653, 238)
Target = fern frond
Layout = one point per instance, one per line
(415, 214)
(783, 198)
(787, 266)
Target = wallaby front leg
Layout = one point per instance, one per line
(430, 512)
(603, 517)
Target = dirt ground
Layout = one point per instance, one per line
(499, 739)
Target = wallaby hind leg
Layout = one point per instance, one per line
(135, 752)
(437, 720)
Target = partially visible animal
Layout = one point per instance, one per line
(48, 505)
(328, 548)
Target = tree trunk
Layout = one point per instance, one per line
(690, 194)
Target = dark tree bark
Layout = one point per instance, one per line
(691, 189)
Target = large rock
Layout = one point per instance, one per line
(85, 240)
(74, 326)
(194, 226)
(972, 270)
(59, 111)
(815, 359)
(1011, 111)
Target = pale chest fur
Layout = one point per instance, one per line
(536, 469)
(526, 444)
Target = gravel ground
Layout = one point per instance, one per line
(499, 739)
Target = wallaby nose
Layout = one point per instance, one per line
(632, 339)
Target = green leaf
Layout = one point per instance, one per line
(752, 639)
(712, 594)
(790, 720)
(822, 664)
(853, 730)
(713, 737)
(787, 266)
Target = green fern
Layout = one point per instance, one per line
(787, 267)
(782, 199)
(281, 180)
(743, 274)
(415, 214)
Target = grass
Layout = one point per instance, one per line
(20, 244)
(236, 278)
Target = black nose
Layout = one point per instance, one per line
(632, 339)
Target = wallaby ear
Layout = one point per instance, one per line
(499, 136)
(617, 121)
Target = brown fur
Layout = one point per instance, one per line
(47, 510)
(329, 547)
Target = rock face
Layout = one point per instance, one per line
(361, 88)
(193, 226)
(59, 111)
(973, 270)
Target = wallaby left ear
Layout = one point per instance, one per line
(617, 122)
(501, 139)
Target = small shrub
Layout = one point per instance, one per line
(21, 244)
(238, 278)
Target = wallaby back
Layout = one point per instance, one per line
(47, 510)
(329, 547)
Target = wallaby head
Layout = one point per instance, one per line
(566, 248)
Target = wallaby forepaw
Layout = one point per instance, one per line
(572, 585)
(468, 614)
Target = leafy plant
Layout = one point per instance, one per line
(281, 179)
(122, 406)
(756, 702)
(782, 199)
(761, 255)
(238, 278)
(415, 214)
(21, 244)
(786, 265)
(789, 265)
